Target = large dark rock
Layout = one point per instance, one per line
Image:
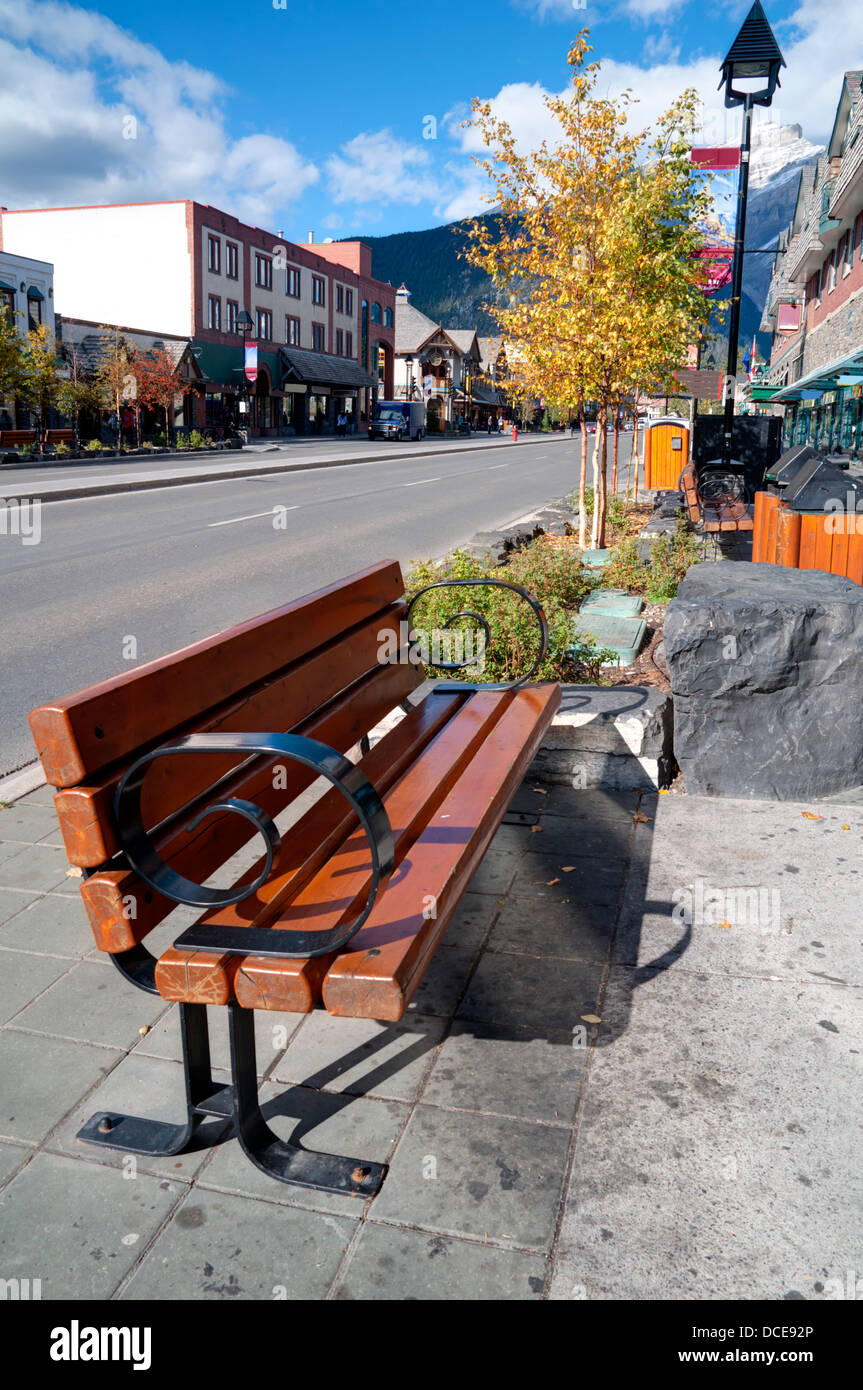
(766, 669)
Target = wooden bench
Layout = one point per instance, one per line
(17, 439)
(165, 772)
(713, 512)
(60, 437)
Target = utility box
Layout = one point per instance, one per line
(666, 453)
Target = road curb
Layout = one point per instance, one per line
(18, 784)
(65, 494)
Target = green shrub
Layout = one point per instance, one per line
(61, 449)
(196, 440)
(514, 632)
(94, 446)
(657, 578)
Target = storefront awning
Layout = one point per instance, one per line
(320, 369)
(4, 285)
(34, 292)
(221, 365)
(824, 379)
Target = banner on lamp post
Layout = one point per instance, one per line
(251, 362)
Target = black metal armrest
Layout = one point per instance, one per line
(467, 613)
(144, 858)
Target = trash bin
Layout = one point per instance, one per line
(666, 453)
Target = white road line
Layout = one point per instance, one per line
(420, 482)
(492, 468)
(254, 516)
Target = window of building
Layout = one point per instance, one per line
(349, 301)
(318, 337)
(292, 331)
(340, 299)
(858, 239)
(833, 266)
(214, 255)
(232, 261)
(376, 312)
(214, 313)
(340, 343)
(319, 290)
(349, 345)
(34, 311)
(848, 251)
(263, 272)
(7, 302)
(232, 310)
(264, 324)
(388, 318)
(292, 283)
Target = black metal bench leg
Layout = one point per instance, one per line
(204, 1097)
(278, 1158)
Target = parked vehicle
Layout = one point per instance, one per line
(398, 420)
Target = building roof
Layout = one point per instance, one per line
(321, 368)
(413, 328)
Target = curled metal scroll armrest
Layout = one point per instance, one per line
(467, 613)
(145, 859)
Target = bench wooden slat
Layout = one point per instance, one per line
(80, 735)
(107, 894)
(339, 885)
(377, 975)
(85, 812)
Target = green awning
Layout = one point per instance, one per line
(763, 393)
(4, 285)
(34, 293)
(221, 364)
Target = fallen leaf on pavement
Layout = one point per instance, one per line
(640, 819)
(74, 872)
(810, 815)
(590, 1018)
(725, 924)
(568, 869)
(551, 882)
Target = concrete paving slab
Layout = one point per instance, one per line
(35, 868)
(715, 1157)
(443, 983)
(77, 1227)
(507, 1070)
(27, 821)
(476, 1175)
(548, 994)
(41, 1079)
(360, 1056)
(12, 902)
(22, 977)
(219, 1247)
(89, 1004)
(51, 925)
(577, 930)
(13, 1157)
(392, 1263)
(470, 925)
(541, 877)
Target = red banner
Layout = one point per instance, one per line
(716, 156)
(716, 267)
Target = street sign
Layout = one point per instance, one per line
(251, 361)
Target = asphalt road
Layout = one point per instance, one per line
(116, 581)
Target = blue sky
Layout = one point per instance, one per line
(313, 116)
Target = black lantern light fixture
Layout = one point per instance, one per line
(750, 75)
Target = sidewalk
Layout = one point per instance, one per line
(61, 481)
(698, 1142)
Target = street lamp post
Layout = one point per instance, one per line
(409, 378)
(245, 325)
(753, 58)
(467, 368)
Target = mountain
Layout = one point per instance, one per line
(453, 293)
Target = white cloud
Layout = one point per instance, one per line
(71, 81)
(377, 167)
(645, 10)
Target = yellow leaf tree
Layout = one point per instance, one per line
(592, 254)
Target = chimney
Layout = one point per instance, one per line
(311, 238)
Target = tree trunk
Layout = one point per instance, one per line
(594, 530)
(582, 484)
(614, 455)
(634, 454)
(600, 505)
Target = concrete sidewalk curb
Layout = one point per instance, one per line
(103, 489)
(19, 783)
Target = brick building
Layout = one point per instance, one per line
(323, 325)
(814, 305)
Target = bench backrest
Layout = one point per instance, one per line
(60, 437)
(312, 667)
(13, 437)
(688, 485)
